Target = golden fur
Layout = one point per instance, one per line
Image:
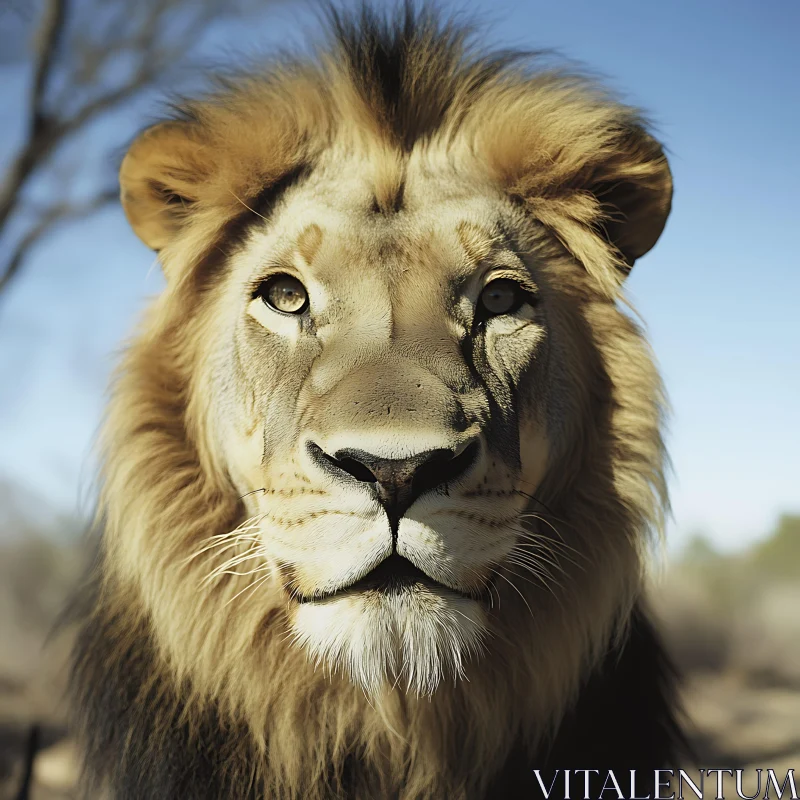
(591, 192)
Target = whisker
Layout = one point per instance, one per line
(251, 523)
(552, 544)
(536, 567)
(251, 586)
(541, 553)
(545, 583)
(238, 557)
(535, 498)
(538, 570)
(232, 538)
(247, 206)
(221, 547)
(534, 515)
(534, 539)
(247, 494)
(511, 584)
(221, 569)
(253, 571)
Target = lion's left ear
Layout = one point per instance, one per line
(634, 188)
(588, 171)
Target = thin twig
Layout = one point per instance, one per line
(48, 220)
(31, 749)
(37, 143)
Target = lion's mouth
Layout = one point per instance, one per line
(393, 576)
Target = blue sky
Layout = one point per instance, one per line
(720, 293)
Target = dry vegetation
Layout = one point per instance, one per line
(37, 573)
(732, 622)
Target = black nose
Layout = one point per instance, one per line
(399, 482)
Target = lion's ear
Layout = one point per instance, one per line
(583, 168)
(634, 187)
(159, 180)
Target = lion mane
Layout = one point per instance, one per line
(180, 692)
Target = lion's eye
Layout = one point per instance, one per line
(284, 293)
(501, 296)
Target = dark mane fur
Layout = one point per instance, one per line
(411, 69)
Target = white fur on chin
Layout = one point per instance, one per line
(416, 637)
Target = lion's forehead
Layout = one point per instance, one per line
(327, 230)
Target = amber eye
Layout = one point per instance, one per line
(501, 296)
(284, 293)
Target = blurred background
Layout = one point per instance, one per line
(79, 78)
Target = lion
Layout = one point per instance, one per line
(383, 467)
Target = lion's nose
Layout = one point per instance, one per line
(399, 482)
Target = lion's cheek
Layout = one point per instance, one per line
(243, 446)
(534, 455)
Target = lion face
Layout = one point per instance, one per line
(389, 391)
(376, 404)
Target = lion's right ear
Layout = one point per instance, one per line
(160, 177)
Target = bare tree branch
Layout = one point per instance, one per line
(105, 102)
(37, 144)
(49, 36)
(48, 219)
(90, 58)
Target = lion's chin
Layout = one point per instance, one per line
(414, 638)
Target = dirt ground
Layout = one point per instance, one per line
(739, 725)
